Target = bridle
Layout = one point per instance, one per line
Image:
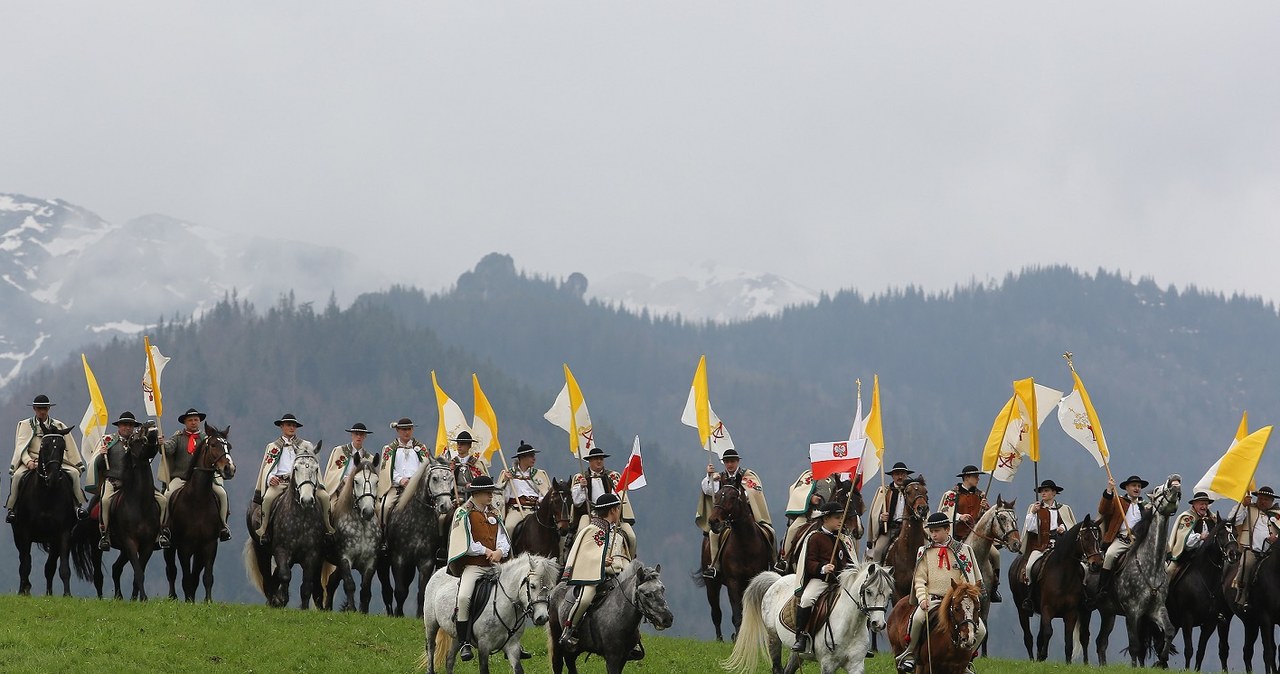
(1003, 539)
(299, 460)
(860, 600)
(565, 511)
(634, 599)
(435, 467)
(368, 492)
(1095, 551)
(529, 602)
(956, 624)
(204, 447)
(726, 514)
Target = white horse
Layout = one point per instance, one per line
(521, 594)
(864, 597)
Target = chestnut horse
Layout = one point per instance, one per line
(745, 551)
(901, 553)
(952, 637)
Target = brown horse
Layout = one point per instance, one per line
(1059, 589)
(952, 637)
(194, 517)
(901, 553)
(542, 532)
(745, 551)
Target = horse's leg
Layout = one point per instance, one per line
(403, 578)
(1206, 631)
(97, 572)
(1083, 616)
(50, 568)
(1069, 624)
(1187, 650)
(1167, 631)
(1024, 619)
(24, 562)
(366, 589)
(1224, 637)
(1250, 637)
(64, 563)
(384, 579)
(171, 570)
(793, 664)
(117, 569)
(1046, 633)
(1267, 627)
(613, 664)
(283, 577)
(192, 565)
(310, 568)
(735, 588)
(424, 574)
(1106, 622)
(713, 597)
(348, 584)
(774, 645)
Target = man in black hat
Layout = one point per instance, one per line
(752, 489)
(401, 459)
(465, 464)
(964, 504)
(595, 482)
(106, 470)
(1257, 522)
(599, 552)
(1046, 520)
(804, 499)
(822, 557)
(175, 462)
(1190, 530)
(524, 486)
(887, 509)
(277, 470)
(941, 562)
(1119, 516)
(343, 457)
(477, 541)
(26, 454)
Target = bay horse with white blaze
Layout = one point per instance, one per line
(952, 639)
(542, 532)
(745, 551)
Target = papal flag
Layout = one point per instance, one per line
(452, 420)
(1080, 421)
(1232, 476)
(484, 426)
(873, 430)
(698, 414)
(93, 425)
(569, 412)
(1013, 435)
(151, 379)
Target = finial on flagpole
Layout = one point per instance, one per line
(1067, 355)
(859, 383)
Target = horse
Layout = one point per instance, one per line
(521, 594)
(1060, 586)
(46, 513)
(951, 642)
(745, 551)
(611, 627)
(1263, 609)
(134, 523)
(862, 596)
(297, 529)
(552, 518)
(1195, 593)
(194, 516)
(355, 545)
(900, 555)
(415, 532)
(1140, 587)
(996, 527)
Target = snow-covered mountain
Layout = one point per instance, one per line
(710, 292)
(69, 277)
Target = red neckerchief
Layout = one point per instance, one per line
(191, 442)
(944, 554)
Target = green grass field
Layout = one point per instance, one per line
(42, 634)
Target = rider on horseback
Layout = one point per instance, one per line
(1190, 530)
(1256, 519)
(822, 558)
(401, 459)
(803, 503)
(175, 463)
(27, 453)
(752, 489)
(477, 541)
(887, 509)
(346, 457)
(465, 465)
(594, 483)
(1046, 520)
(108, 462)
(964, 504)
(277, 470)
(599, 552)
(1120, 537)
(524, 487)
(938, 564)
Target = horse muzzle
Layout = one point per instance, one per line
(664, 620)
(716, 526)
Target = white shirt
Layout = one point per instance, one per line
(284, 466)
(1133, 515)
(520, 485)
(710, 483)
(1261, 528)
(1032, 524)
(407, 462)
(597, 488)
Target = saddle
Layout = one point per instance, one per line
(817, 619)
(483, 590)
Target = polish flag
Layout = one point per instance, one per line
(632, 476)
(827, 458)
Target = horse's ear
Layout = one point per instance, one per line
(318, 446)
(65, 431)
(226, 433)
(953, 583)
(658, 568)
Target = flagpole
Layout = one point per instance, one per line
(848, 499)
(155, 385)
(1106, 459)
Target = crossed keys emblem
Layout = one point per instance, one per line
(718, 431)
(588, 434)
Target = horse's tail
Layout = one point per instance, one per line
(698, 579)
(251, 568)
(443, 643)
(326, 570)
(750, 642)
(84, 543)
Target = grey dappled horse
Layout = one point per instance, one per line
(997, 527)
(297, 530)
(610, 628)
(358, 534)
(416, 532)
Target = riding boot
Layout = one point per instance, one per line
(906, 661)
(637, 651)
(224, 535)
(567, 638)
(164, 540)
(104, 543)
(464, 636)
(82, 512)
(12, 516)
(995, 587)
(1104, 585)
(802, 629)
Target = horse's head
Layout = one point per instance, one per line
(963, 606)
(53, 445)
(559, 504)
(441, 485)
(917, 498)
(543, 575)
(214, 453)
(1223, 537)
(305, 477)
(727, 505)
(1164, 499)
(651, 596)
(1089, 540)
(1004, 528)
(364, 487)
(137, 458)
(873, 591)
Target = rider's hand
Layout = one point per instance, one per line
(1111, 484)
(711, 470)
(1062, 528)
(924, 603)
(494, 555)
(505, 476)
(984, 504)
(884, 517)
(1035, 507)
(580, 479)
(828, 568)
(965, 517)
(404, 481)
(31, 465)
(274, 480)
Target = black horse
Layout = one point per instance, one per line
(1195, 593)
(134, 522)
(194, 517)
(543, 531)
(46, 513)
(416, 533)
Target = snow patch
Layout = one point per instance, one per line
(127, 327)
(19, 359)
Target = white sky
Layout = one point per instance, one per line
(838, 144)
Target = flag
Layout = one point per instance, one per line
(1232, 476)
(632, 476)
(1011, 435)
(484, 425)
(452, 421)
(1080, 421)
(151, 378)
(828, 458)
(873, 430)
(858, 432)
(93, 424)
(569, 412)
(1242, 431)
(698, 414)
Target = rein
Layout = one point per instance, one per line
(633, 602)
(1003, 539)
(521, 616)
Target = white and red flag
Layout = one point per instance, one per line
(828, 458)
(632, 476)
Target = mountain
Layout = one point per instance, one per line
(711, 292)
(71, 278)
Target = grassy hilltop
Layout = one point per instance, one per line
(42, 634)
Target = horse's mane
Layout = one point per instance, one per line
(418, 478)
(1144, 525)
(346, 489)
(960, 591)
(1068, 540)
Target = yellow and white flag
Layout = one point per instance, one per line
(93, 425)
(484, 425)
(1080, 421)
(569, 412)
(151, 379)
(873, 430)
(698, 414)
(452, 420)
(1013, 436)
(1232, 476)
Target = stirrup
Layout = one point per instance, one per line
(637, 652)
(906, 663)
(464, 652)
(802, 642)
(12, 516)
(81, 513)
(225, 535)
(104, 543)
(709, 573)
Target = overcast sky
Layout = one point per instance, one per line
(837, 144)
